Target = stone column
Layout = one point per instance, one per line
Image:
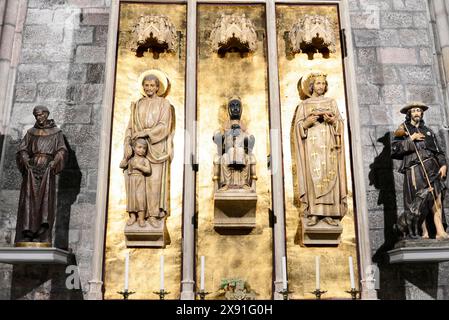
(276, 149)
(188, 230)
(441, 9)
(367, 281)
(2, 16)
(12, 19)
(96, 282)
(439, 15)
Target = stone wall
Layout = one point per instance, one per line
(61, 66)
(395, 63)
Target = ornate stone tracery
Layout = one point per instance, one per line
(154, 33)
(233, 33)
(312, 34)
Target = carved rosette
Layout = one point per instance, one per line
(154, 33)
(312, 34)
(233, 33)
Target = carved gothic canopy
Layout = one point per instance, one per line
(154, 33)
(233, 33)
(312, 34)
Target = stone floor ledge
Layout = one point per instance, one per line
(13, 255)
(420, 251)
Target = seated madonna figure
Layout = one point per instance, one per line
(234, 164)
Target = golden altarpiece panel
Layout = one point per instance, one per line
(231, 65)
(233, 254)
(334, 265)
(132, 62)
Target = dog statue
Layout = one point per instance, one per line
(409, 221)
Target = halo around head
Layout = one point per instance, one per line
(234, 97)
(164, 83)
(304, 83)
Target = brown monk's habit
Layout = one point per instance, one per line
(36, 213)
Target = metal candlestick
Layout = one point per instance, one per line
(354, 293)
(318, 293)
(203, 294)
(162, 293)
(285, 293)
(125, 293)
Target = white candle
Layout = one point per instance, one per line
(317, 273)
(162, 273)
(284, 273)
(202, 274)
(126, 270)
(351, 273)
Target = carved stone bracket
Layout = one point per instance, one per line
(420, 251)
(147, 236)
(235, 210)
(321, 234)
(233, 33)
(34, 255)
(312, 34)
(154, 33)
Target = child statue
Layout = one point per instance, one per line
(138, 167)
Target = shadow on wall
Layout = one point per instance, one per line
(382, 178)
(2, 139)
(68, 190)
(401, 281)
(44, 282)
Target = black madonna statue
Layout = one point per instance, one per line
(234, 164)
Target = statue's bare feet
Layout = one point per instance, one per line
(425, 236)
(311, 221)
(142, 223)
(442, 236)
(154, 222)
(330, 221)
(224, 188)
(141, 219)
(246, 187)
(132, 219)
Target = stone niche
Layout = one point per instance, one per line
(148, 236)
(320, 234)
